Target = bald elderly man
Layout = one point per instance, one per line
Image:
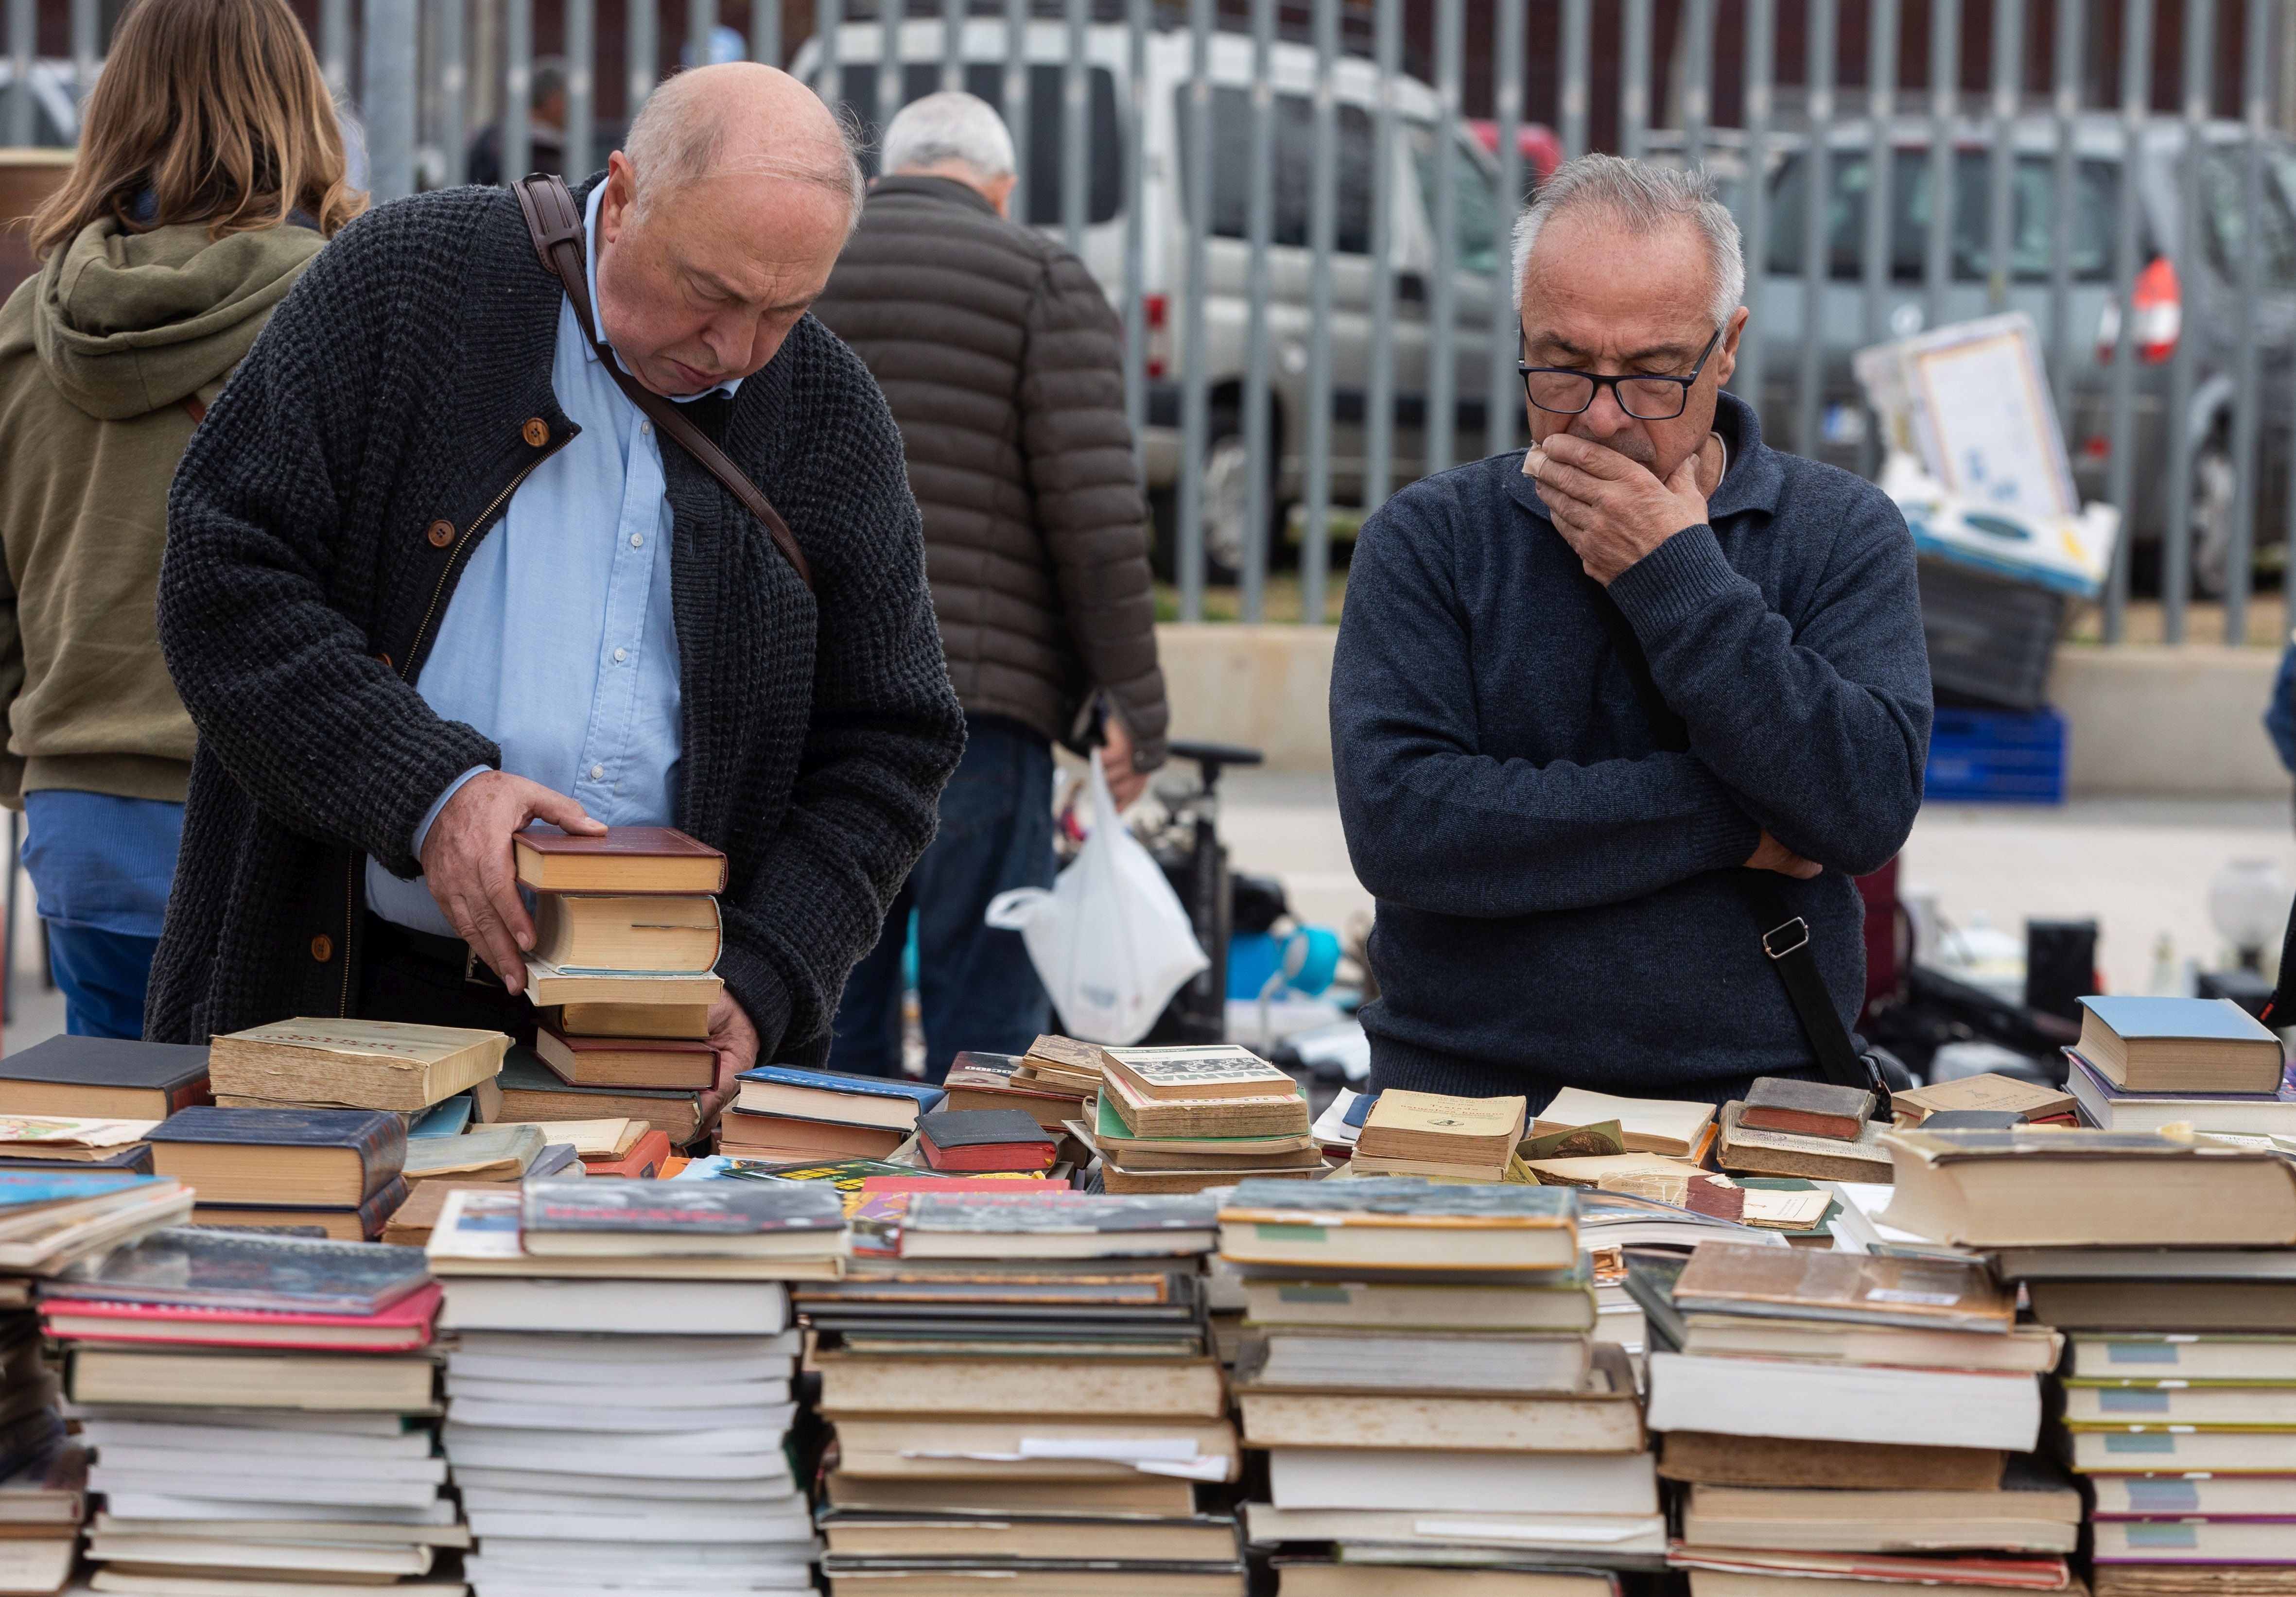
(432, 576)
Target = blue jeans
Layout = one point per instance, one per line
(102, 865)
(975, 985)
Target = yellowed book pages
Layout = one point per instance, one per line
(592, 1139)
(1602, 1169)
(1651, 1125)
(360, 1064)
(1435, 1127)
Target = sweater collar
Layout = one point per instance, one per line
(1750, 478)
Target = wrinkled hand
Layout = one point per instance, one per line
(468, 867)
(1125, 784)
(735, 1039)
(1611, 509)
(1770, 854)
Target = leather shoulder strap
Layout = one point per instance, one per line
(554, 223)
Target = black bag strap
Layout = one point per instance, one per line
(555, 223)
(2280, 1009)
(1784, 932)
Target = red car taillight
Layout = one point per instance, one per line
(2159, 322)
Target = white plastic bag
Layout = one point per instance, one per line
(1110, 940)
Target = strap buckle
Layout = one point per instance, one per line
(1799, 943)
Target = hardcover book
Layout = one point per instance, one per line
(332, 1157)
(827, 1095)
(991, 1081)
(501, 1153)
(360, 1223)
(1056, 1223)
(1402, 1222)
(1802, 1283)
(985, 1139)
(2180, 1045)
(740, 1129)
(1742, 1147)
(672, 1022)
(1990, 1091)
(530, 1090)
(357, 1064)
(1812, 1108)
(221, 1271)
(642, 1161)
(400, 1326)
(546, 984)
(613, 1061)
(671, 933)
(105, 1076)
(622, 859)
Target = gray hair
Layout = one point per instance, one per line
(950, 125)
(1642, 199)
(675, 142)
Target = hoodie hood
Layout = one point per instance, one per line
(129, 323)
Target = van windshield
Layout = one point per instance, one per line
(1047, 137)
(1295, 168)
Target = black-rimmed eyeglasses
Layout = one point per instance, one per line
(1567, 392)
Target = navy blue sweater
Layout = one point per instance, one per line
(1559, 902)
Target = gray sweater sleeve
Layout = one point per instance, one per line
(1820, 726)
(1435, 823)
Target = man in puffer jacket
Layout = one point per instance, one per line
(1003, 366)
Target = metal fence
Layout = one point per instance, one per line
(1306, 231)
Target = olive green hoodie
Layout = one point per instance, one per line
(98, 355)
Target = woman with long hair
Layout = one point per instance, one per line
(210, 170)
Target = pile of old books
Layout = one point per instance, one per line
(801, 1115)
(1847, 1419)
(1803, 1128)
(1418, 1365)
(2166, 1260)
(258, 1411)
(1181, 1120)
(626, 935)
(340, 1170)
(1023, 1398)
(351, 1064)
(618, 1390)
(2143, 1063)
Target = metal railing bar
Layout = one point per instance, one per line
(2136, 105)
(1322, 220)
(2177, 530)
(1819, 21)
(1259, 224)
(1195, 398)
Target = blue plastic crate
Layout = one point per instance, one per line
(1997, 756)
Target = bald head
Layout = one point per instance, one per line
(740, 119)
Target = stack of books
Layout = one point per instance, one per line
(340, 1170)
(1024, 1397)
(258, 1411)
(1812, 1129)
(2143, 1063)
(1910, 1399)
(1185, 1118)
(1418, 1364)
(2025, 1102)
(619, 1392)
(998, 1081)
(626, 935)
(100, 1080)
(51, 1224)
(2165, 1260)
(73, 1142)
(351, 1064)
(800, 1115)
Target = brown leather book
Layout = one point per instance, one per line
(1810, 1109)
(1697, 1455)
(621, 859)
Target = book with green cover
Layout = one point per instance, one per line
(1110, 1131)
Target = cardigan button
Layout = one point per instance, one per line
(535, 432)
(440, 534)
(323, 947)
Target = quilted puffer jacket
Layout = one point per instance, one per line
(1003, 364)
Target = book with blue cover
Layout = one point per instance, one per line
(872, 1101)
(2180, 1045)
(21, 1192)
(353, 1223)
(336, 1157)
(113, 1077)
(449, 1118)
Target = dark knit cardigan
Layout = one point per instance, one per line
(316, 532)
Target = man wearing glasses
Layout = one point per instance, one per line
(1605, 712)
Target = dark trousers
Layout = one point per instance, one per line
(417, 976)
(102, 975)
(976, 987)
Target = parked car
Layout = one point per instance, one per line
(2204, 304)
(1480, 259)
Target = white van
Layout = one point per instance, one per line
(1480, 261)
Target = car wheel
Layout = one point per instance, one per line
(2214, 488)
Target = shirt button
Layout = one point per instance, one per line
(439, 533)
(323, 947)
(535, 432)
(637, 540)
(598, 772)
(646, 427)
(620, 655)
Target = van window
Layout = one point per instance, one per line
(2031, 190)
(1295, 170)
(2227, 214)
(1047, 135)
(1477, 245)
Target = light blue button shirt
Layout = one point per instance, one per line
(559, 644)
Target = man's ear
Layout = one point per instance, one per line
(1726, 358)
